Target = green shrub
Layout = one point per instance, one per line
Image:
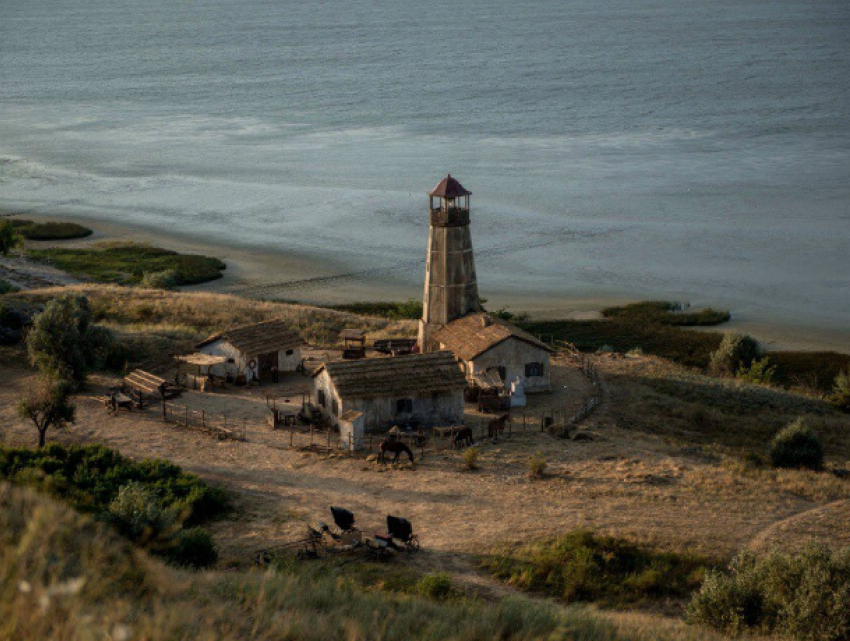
(736, 352)
(7, 288)
(194, 548)
(137, 513)
(841, 391)
(760, 372)
(581, 566)
(802, 596)
(91, 477)
(9, 237)
(796, 446)
(436, 586)
(166, 279)
(470, 457)
(537, 465)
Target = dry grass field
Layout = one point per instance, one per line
(671, 459)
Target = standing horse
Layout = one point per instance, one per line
(462, 438)
(396, 447)
(497, 426)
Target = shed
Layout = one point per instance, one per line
(421, 388)
(255, 350)
(487, 345)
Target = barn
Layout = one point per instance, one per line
(422, 388)
(255, 350)
(485, 344)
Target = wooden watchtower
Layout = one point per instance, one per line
(451, 288)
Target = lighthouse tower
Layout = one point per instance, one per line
(451, 289)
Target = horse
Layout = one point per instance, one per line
(396, 447)
(497, 426)
(462, 438)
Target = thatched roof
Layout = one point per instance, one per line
(449, 187)
(471, 335)
(259, 338)
(395, 376)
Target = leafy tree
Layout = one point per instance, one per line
(736, 352)
(47, 406)
(9, 238)
(64, 342)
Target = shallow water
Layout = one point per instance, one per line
(696, 151)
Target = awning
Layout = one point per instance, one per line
(202, 360)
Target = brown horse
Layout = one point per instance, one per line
(396, 447)
(497, 426)
(462, 438)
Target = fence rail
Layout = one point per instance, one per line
(215, 424)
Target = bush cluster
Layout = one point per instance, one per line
(470, 457)
(802, 596)
(436, 586)
(796, 446)
(736, 352)
(148, 501)
(165, 279)
(581, 566)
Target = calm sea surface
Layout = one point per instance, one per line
(675, 148)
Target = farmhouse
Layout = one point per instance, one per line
(486, 344)
(423, 388)
(255, 350)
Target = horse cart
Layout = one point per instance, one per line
(345, 538)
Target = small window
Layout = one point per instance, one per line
(334, 407)
(290, 352)
(502, 372)
(231, 361)
(404, 406)
(321, 397)
(533, 369)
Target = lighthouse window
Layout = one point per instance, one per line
(321, 397)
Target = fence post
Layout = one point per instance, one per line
(291, 434)
(329, 440)
(311, 435)
(187, 417)
(203, 418)
(164, 417)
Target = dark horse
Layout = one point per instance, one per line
(462, 438)
(396, 447)
(497, 426)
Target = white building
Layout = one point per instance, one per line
(485, 344)
(427, 388)
(254, 350)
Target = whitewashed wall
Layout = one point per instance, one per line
(513, 354)
(286, 362)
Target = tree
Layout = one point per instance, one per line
(841, 391)
(64, 343)
(736, 352)
(47, 406)
(9, 237)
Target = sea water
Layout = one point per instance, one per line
(666, 148)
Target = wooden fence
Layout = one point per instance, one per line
(215, 424)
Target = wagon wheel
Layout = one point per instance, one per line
(413, 544)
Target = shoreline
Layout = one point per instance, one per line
(265, 274)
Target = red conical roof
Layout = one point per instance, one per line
(448, 187)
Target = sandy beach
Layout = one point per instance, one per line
(266, 274)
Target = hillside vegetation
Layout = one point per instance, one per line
(65, 576)
(50, 230)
